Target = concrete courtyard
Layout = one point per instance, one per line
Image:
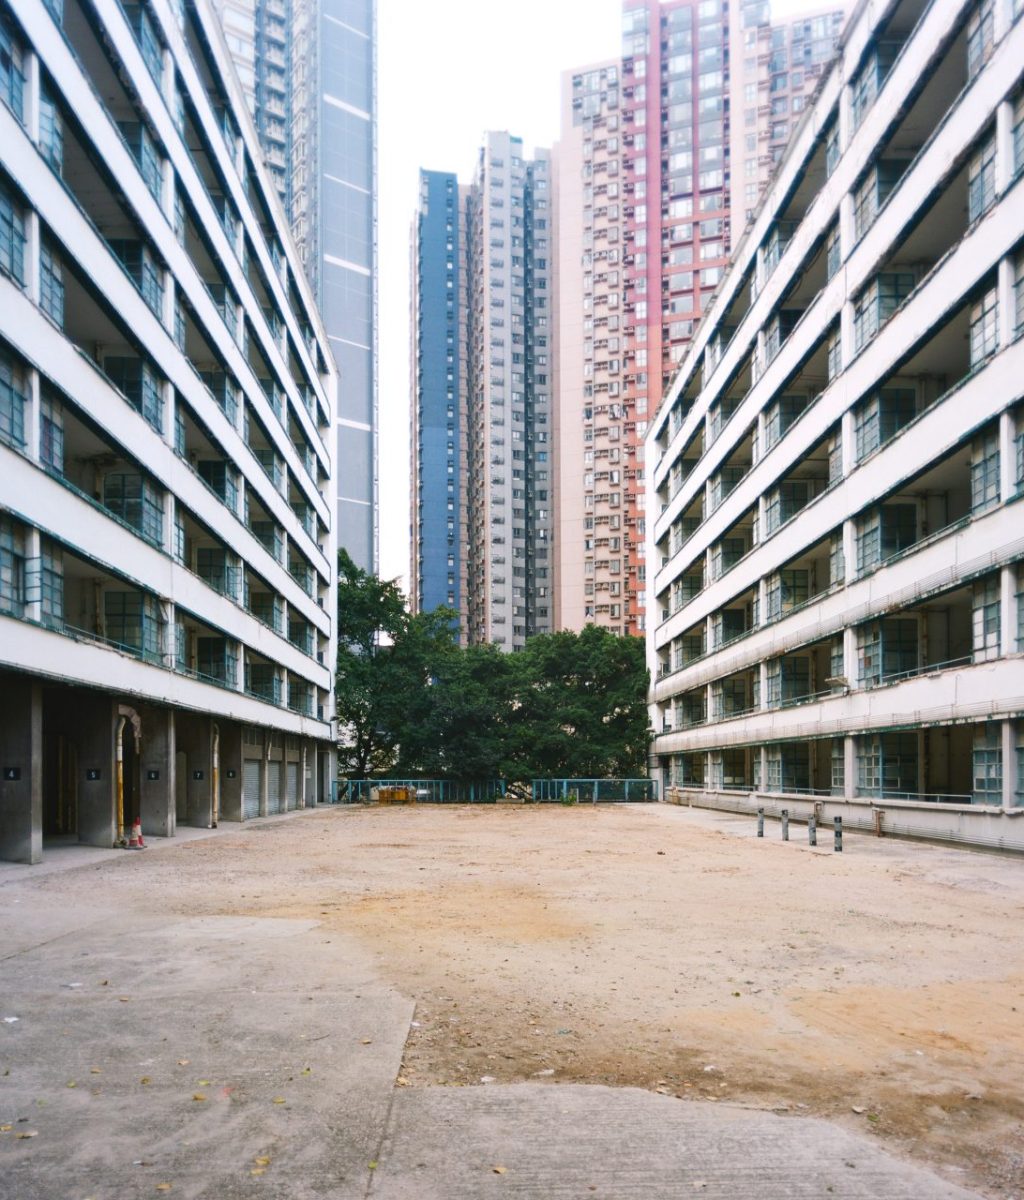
(443, 1003)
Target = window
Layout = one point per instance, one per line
(887, 650)
(137, 502)
(13, 399)
(51, 130)
(984, 336)
(981, 179)
(147, 156)
(785, 500)
(887, 764)
(980, 36)
(51, 282)
(146, 36)
(12, 76)
(985, 472)
(880, 418)
(12, 567)
(833, 252)
(12, 237)
(785, 591)
(51, 583)
(1018, 134)
(868, 81)
(884, 532)
(780, 415)
(877, 303)
(987, 765)
(834, 355)
(132, 621)
(51, 433)
(831, 150)
(140, 385)
(985, 619)
(872, 193)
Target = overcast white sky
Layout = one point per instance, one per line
(447, 72)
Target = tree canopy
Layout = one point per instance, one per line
(412, 703)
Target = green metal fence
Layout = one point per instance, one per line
(594, 791)
(430, 791)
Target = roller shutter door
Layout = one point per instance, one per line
(293, 785)
(252, 773)
(274, 797)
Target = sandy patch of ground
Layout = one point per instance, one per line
(654, 947)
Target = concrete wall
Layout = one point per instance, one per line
(157, 776)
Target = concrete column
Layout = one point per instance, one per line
(850, 549)
(31, 257)
(849, 767)
(846, 333)
(847, 226)
(762, 601)
(1010, 774)
(21, 770)
(1007, 457)
(845, 117)
(762, 668)
(850, 656)
(32, 410)
(762, 751)
(303, 761)
(1006, 306)
(1008, 611)
(33, 553)
(1002, 19)
(1004, 145)
(265, 777)
(30, 66)
(94, 726)
(157, 777)
(230, 771)
(849, 442)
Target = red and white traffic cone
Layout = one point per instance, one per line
(135, 841)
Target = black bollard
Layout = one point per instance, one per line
(760, 822)
(785, 824)
(839, 834)
(812, 831)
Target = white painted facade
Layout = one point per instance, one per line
(167, 544)
(837, 622)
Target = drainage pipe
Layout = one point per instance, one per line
(119, 737)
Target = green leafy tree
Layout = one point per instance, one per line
(413, 704)
(581, 706)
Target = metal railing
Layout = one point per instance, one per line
(594, 791)
(429, 791)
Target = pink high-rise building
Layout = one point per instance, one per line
(664, 154)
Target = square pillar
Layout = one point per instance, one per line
(230, 770)
(94, 727)
(849, 767)
(157, 783)
(21, 770)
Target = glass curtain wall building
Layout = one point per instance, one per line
(312, 67)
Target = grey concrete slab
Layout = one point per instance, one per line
(188, 1053)
(576, 1141)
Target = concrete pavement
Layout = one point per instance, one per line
(232, 1057)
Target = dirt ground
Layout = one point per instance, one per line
(665, 949)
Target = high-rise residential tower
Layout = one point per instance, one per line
(309, 70)
(440, 549)
(646, 205)
(502, 420)
(167, 400)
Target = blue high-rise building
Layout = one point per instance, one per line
(437, 574)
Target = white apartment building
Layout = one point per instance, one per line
(167, 560)
(837, 471)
